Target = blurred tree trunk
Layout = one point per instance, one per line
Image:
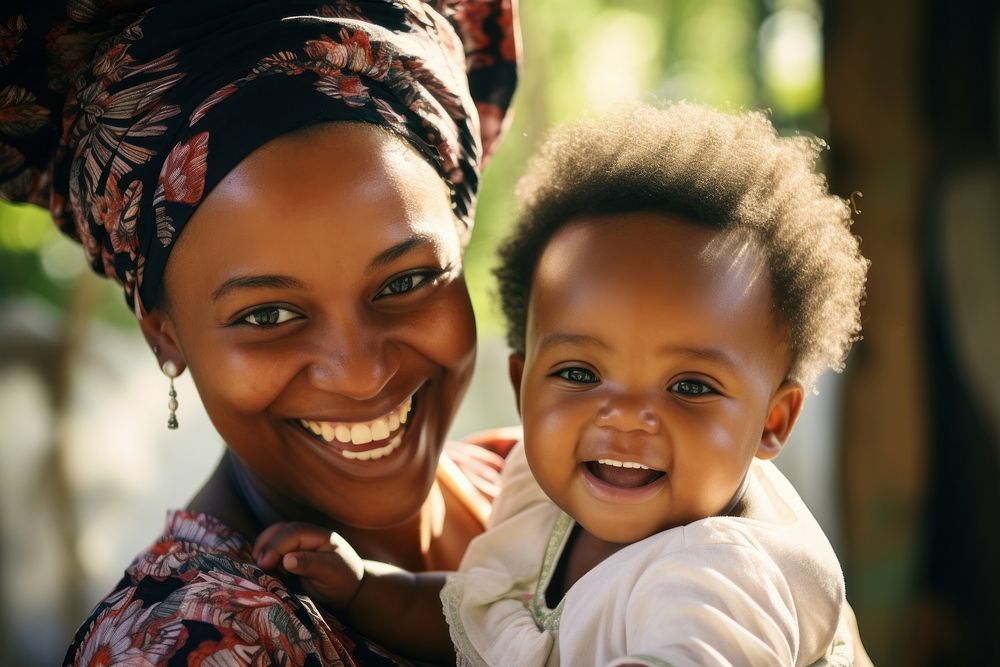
(912, 92)
(79, 310)
(52, 349)
(873, 78)
(959, 595)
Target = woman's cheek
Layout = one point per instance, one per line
(446, 332)
(245, 380)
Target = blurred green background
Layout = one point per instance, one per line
(905, 92)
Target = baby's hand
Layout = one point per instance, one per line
(330, 568)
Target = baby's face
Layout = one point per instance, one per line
(653, 372)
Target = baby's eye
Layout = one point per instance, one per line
(269, 316)
(403, 284)
(691, 388)
(578, 375)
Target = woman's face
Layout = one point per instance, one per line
(317, 298)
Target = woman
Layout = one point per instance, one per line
(284, 190)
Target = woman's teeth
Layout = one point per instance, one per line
(373, 454)
(622, 464)
(362, 433)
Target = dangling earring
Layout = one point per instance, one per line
(170, 370)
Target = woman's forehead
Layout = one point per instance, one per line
(344, 195)
(334, 156)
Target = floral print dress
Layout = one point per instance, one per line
(196, 597)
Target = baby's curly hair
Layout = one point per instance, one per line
(725, 171)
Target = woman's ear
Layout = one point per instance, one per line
(158, 330)
(515, 366)
(786, 404)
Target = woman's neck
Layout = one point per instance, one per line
(234, 496)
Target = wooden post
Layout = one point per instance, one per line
(879, 146)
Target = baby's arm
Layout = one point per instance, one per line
(398, 609)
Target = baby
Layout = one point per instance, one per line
(677, 279)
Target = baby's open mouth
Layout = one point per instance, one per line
(624, 474)
(369, 440)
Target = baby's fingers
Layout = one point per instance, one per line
(281, 538)
(325, 575)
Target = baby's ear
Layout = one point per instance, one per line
(515, 366)
(786, 404)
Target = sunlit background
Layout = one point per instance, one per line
(898, 458)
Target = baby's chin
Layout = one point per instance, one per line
(618, 529)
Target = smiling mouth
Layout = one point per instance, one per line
(623, 474)
(368, 440)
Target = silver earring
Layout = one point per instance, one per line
(169, 369)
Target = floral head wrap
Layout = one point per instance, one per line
(178, 94)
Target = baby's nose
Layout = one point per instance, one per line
(626, 412)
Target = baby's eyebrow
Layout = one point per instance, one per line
(715, 354)
(563, 338)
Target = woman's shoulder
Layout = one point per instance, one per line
(472, 468)
(196, 593)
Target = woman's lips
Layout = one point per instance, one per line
(383, 435)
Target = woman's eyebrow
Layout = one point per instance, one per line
(252, 282)
(400, 249)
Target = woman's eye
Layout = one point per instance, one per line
(578, 375)
(691, 388)
(403, 284)
(269, 316)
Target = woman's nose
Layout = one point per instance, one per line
(626, 412)
(352, 362)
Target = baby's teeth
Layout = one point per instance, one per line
(393, 421)
(327, 431)
(343, 433)
(380, 429)
(622, 464)
(361, 434)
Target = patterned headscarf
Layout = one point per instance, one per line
(177, 95)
